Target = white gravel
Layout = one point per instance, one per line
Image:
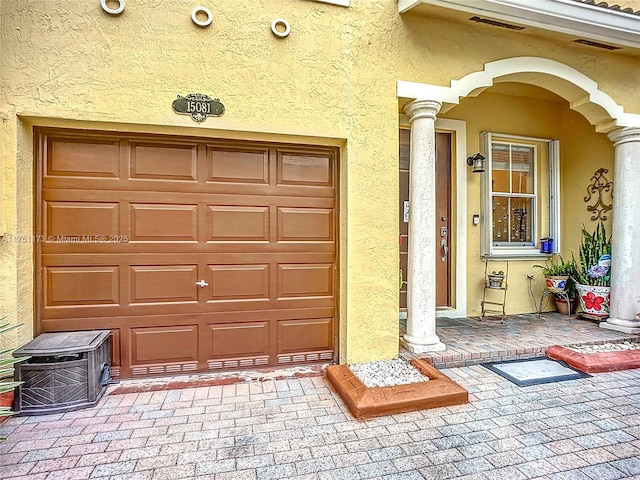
(605, 347)
(387, 373)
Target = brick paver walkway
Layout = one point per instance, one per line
(300, 429)
(470, 342)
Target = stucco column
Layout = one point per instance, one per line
(625, 245)
(421, 272)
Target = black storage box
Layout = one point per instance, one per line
(67, 371)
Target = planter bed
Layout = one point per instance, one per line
(597, 362)
(363, 401)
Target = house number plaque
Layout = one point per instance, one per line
(199, 106)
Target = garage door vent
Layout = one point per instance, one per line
(163, 369)
(304, 358)
(238, 363)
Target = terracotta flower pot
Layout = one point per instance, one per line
(6, 400)
(563, 308)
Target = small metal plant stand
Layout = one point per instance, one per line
(544, 297)
(494, 293)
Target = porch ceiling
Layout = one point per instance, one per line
(566, 20)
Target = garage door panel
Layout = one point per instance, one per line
(164, 283)
(185, 258)
(241, 339)
(124, 322)
(161, 344)
(304, 169)
(90, 285)
(63, 194)
(81, 219)
(152, 215)
(305, 224)
(69, 157)
(164, 162)
(238, 282)
(133, 338)
(305, 334)
(63, 313)
(231, 223)
(122, 244)
(305, 280)
(164, 349)
(163, 223)
(226, 165)
(178, 187)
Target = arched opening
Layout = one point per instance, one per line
(584, 111)
(582, 93)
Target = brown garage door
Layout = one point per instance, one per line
(199, 255)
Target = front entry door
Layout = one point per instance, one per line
(443, 216)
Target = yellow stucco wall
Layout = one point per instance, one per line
(332, 81)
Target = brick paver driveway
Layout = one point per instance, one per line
(300, 429)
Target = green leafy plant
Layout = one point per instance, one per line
(590, 269)
(6, 369)
(557, 266)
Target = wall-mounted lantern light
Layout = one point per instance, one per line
(477, 161)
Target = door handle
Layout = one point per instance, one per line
(445, 247)
(202, 284)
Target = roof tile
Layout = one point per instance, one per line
(628, 9)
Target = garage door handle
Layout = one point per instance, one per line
(202, 283)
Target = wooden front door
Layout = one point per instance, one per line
(198, 255)
(443, 216)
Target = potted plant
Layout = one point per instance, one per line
(7, 385)
(495, 279)
(559, 274)
(592, 275)
(556, 272)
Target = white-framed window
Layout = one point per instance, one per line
(520, 195)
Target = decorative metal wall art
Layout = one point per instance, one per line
(599, 190)
(199, 106)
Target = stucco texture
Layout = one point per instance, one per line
(331, 81)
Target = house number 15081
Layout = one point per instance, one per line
(198, 106)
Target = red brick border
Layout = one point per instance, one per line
(596, 362)
(363, 401)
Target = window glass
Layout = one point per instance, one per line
(512, 220)
(513, 193)
(522, 169)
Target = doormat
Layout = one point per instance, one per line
(534, 371)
